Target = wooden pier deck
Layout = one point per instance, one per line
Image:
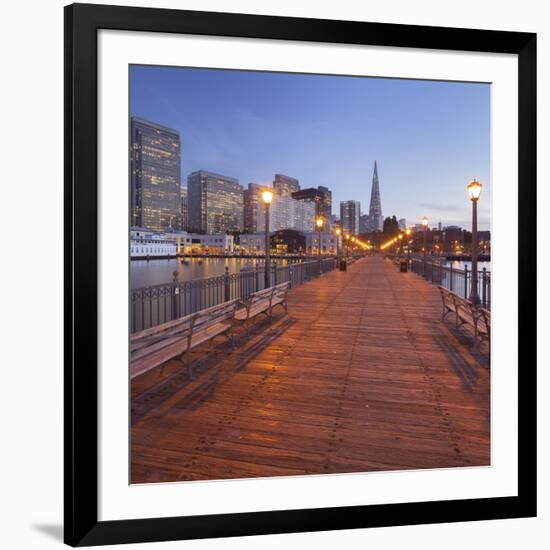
(362, 375)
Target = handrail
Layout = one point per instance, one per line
(452, 278)
(157, 304)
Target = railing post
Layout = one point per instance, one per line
(451, 278)
(466, 282)
(175, 294)
(227, 289)
(484, 286)
(274, 272)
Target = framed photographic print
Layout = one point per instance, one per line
(300, 274)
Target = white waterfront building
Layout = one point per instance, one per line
(150, 244)
(330, 243)
(253, 243)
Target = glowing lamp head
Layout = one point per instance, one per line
(347, 237)
(267, 197)
(400, 236)
(319, 223)
(474, 190)
(338, 231)
(408, 231)
(425, 221)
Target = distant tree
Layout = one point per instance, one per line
(391, 226)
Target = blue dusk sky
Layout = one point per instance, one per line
(430, 138)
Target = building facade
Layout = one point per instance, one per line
(288, 241)
(252, 243)
(350, 212)
(252, 204)
(330, 243)
(198, 243)
(321, 196)
(184, 220)
(364, 223)
(149, 244)
(285, 185)
(215, 203)
(155, 175)
(288, 213)
(284, 212)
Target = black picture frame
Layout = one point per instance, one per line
(82, 22)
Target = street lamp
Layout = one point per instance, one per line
(267, 197)
(408, 232)
(425, 225)
(319, 224)
(474, 190)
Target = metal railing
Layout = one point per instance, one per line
(457, 280)
(154, 305)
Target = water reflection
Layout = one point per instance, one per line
(156, 272)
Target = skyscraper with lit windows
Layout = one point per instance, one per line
(350, 211)
(155, 174)
(215, 203)
(285, 185)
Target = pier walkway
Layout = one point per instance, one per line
(362, 375)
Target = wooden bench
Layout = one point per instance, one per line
(467, 313)
(262, 302)
(154, 346)
(484, 323)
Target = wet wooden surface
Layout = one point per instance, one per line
(362, 375)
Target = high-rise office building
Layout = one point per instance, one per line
(215, 203)
(364, 223)
(155, 175)
(285, 185)
(284, 211)
(303, 214)
(350, 212)
(322, 196)
(287, 213)
(403, 224)
(375, 210)
(252, 203)
(184, 209)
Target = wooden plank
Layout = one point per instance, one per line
(362, 375)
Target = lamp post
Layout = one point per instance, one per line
(267, 197)
(347, 245)
(425, 225)
(338, 232)
(319, 224)
(400, 244)
(408, 233)
(474, 190)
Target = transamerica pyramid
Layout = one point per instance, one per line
(376, 221)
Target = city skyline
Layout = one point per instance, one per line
(430, 140)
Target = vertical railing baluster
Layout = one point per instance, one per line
(484, 286)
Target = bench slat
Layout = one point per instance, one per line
(153, 347)
(477, 317)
